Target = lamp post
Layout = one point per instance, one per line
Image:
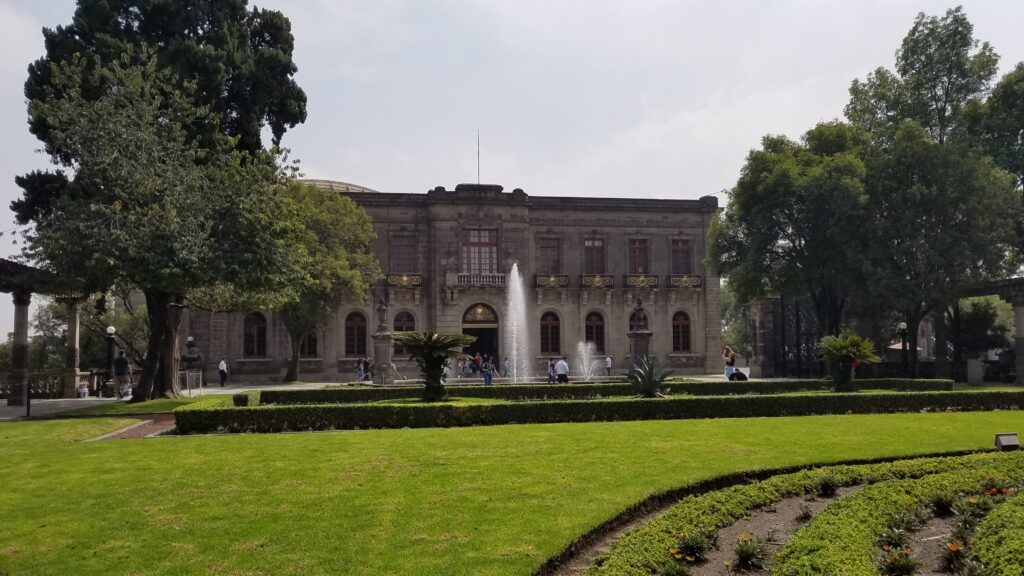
(190, 352)
(108, 374)
(903, 347)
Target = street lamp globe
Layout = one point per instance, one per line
(110, 330)
(903, 325)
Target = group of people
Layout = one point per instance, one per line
(364, 370)
(484, 366)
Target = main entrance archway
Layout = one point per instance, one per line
(481, 320)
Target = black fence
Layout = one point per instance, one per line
(795, 341)
(42, 385)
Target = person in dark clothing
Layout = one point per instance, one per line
(122, 374)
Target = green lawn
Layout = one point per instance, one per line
(469, 501)
(162, 405)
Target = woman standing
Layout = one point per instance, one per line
(730, 362)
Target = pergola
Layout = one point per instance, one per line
(1010, 290)
(22, 282)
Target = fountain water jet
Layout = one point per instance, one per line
(516, 333)
(587, 364)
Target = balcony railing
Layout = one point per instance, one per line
(551, 280)
(685, 281)
(497, 280)
(597, 281)
(405, 280)
(641, 280)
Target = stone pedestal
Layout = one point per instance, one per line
(975, 372)
(19, 350)
(383, 371)
(639, 335)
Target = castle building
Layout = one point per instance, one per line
(446, 256)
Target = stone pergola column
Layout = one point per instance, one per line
(19, 352)
(71, 348)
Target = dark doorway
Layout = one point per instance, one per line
(481, 320)
(486, 341)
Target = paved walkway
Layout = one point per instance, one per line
(50, 408)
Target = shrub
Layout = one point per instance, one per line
(893, 537)
(828, 486)
(898, 562)
(240, 399)
(751, 552)
(999, 541)
(673, 568)
(433, 354)
(201, 418)
(648, 377)
(693, 545)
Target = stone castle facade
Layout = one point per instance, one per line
(446, 255)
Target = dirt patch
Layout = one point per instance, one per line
(773, 524)
(580, 562)
(928, 544)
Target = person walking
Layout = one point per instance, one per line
(562, 371)
(487, 368)
(608, 365)
(222, 369)
(359, 370)
(122, 375)
(551, 370)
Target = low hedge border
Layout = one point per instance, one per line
(643, 551)
(595, 390)
(193, 419)
(842, 539)
(999, 541)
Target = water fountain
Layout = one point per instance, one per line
(517, 334)
(586, 361)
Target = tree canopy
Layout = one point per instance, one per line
(333, 257)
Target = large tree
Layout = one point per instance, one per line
(941, 220)
(334, 258)
(218, 73)
(940, 68)
(794, 222)
(150, 208)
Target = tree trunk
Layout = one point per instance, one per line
(292, 374)
(160, 370)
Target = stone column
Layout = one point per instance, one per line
(1018, 324)
(19, 352)
(764, 326)
(382, 348)
(71, 349)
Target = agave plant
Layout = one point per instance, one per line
(433, 353)
(843, 351)
(648, 377)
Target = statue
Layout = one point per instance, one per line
(382, 316)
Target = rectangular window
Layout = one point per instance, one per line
(593, 256)
(549, 256)
(639, 258)
(682, 262)
(480, 252)
(403, 254)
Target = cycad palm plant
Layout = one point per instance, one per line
(433, 353)
(648, 377)
(842, 351)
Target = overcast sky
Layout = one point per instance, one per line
(572, 97)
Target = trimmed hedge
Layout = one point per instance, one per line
(642, 551)
(999, 541)
(191, 419)
(584, 391)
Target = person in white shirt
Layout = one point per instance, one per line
(562, 370)
(608, 365)
(223, 369)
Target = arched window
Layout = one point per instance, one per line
(355, 335)
(308, 346)
(550, 334)
(404, 322)
(594, 330)
(255, 329)
(681, 333)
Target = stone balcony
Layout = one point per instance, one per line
(463, 279)
(685, 281)
(405, 280)
(640, 280)
(597, 281)
(551, 281)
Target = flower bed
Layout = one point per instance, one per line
(596, 390)
(645, 550)
(999, 542)
(191, 419)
